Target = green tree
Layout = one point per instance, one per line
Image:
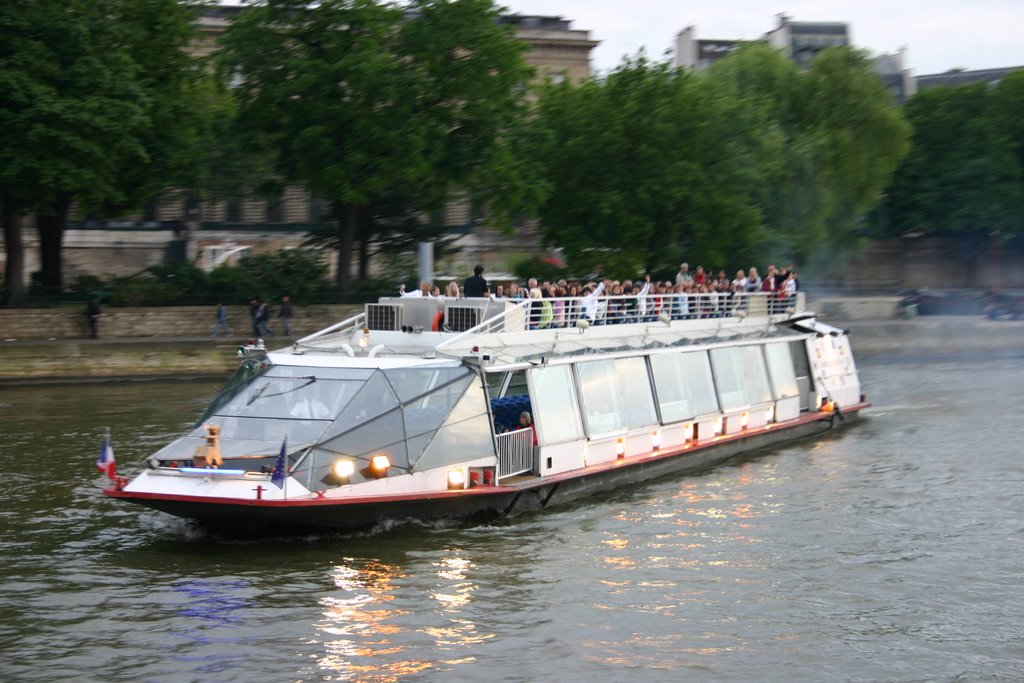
(962, 176)
(864, 137)
(641, 164)
(361, 101)
(92, 99)
(299, 273)
(820, 145)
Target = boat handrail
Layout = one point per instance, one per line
(515, 452)
(357, 321)
(626, 308)
(495, 323)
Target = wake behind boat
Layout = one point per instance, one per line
(424, 408)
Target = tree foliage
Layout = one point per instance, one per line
(650, 164)
(362, 102)
(94, 109)
(963, 176)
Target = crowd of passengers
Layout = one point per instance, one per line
(691, 295)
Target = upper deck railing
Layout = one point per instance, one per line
(463, 318)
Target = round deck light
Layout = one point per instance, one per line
(344, 469)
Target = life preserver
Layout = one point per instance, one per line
(436, 325)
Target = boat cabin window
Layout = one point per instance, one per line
(517, 385)
(741, 377)
(557, 414)
(616, 395)
(780, 368)
(684, 384)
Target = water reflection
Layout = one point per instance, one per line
(366, 636)
(359, 623)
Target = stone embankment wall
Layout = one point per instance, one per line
(157, 322)
(49, 345)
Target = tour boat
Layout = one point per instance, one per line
(413, 409)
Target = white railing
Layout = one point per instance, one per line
(330, 336)
(515, 452)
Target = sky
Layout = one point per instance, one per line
(938, 35)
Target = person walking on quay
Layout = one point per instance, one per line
(92, 317)
(263, 320)
(254, 310)
(221, 321)
(285, 314)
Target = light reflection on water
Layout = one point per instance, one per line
(888, 552)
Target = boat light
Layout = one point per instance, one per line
(456, 479)
(744, 419)
(656, 440)
(769, 415)
(688, 431)
(379, 465)
(620, 448)
(718, 426)
(340, 473)
(817, 402)
(364, 340)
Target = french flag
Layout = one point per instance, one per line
(280, 475)
(105, 463)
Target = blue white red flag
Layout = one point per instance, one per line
(105, 463)
(281, 468)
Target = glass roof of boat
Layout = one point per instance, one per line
(507, 349)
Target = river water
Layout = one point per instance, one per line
(891, 551)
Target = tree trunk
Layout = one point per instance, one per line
(51, 222)
(14, 273)
(364, 258)
(347, 216)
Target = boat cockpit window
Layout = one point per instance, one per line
(260, 407)
(417, 417)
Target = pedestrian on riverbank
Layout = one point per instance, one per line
(92, 317)
(221, 321)
(254, 310)
(285, 314)
(263, 320)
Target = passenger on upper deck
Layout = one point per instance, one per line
(589, 302)
(452, 291)
(683, 277)
(423, 291)
(474, 284)
(753, 281)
